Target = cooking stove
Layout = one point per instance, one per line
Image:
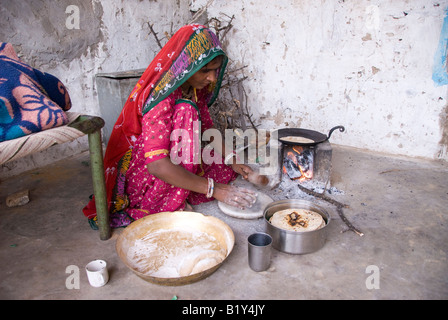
(307, 162)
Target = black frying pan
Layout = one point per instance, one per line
(317, 137)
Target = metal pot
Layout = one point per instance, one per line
(294, 242)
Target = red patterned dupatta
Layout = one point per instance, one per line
(187, 51)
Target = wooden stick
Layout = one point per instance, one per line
(338, 205)
(348, 223)
(323, 197)
(155, 35)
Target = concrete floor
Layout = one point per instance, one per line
(400, 204)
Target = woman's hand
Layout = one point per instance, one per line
(248, 174)
(242, 169)
(234, 196)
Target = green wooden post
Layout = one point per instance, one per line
(91, 126)
(99, 188)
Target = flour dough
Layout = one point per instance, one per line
(177, 252)
(296, 139)
(200, 261)
(256, 211)
(300, 220)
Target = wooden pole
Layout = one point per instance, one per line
(99, 187)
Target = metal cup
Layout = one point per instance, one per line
(259, 249)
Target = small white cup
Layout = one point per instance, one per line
(97, 273)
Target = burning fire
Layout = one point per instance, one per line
(298, 163)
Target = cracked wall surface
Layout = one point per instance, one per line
(113, 36)
(367, 65)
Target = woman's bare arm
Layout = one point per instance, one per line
(175, 175)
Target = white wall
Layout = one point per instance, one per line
(313, 64)
(366, 65)
(113, 36)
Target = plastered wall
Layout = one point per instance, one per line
(113, 36)
(376, 67)
(367, 65)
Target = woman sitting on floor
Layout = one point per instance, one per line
(173, 93)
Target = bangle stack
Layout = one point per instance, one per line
(210, 188)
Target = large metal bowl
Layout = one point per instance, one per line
(294, 242)
(192, 221)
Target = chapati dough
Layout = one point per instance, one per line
(296, 139)
(256, 211)
(200, 261)
(206, 264)
(172, 253)
(297, 220)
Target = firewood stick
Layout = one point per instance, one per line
(155, 35)
(348, 223)
(338, 205)
(323, 197)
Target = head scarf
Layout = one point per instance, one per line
(179, 60)
(187, 51)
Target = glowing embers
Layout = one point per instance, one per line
(298, 162)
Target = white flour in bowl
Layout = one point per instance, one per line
(172, 253)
